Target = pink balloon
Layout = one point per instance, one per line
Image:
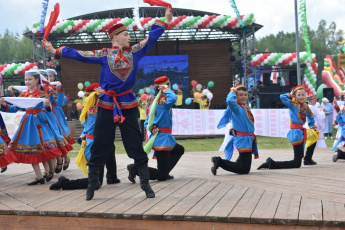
(197, 95)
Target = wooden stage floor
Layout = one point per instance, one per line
(311, 197)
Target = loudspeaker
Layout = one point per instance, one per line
(275, 88)
(329, 94)
(293, 78)
(265, 101)
(266, 79)
(285, 89)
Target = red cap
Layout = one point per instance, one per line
(90, 88)
(297, 88)
(116, 29)
(239, 86)
(161, 81)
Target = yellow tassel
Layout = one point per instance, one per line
(89, 103)
(312, 137)
(81, 160)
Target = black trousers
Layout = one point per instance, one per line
(166, 161)
(104, 136)
(241, 166)
(142, 122)
(297, 160)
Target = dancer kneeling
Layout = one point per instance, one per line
(298, 136)
(159, 122)
(243, 131)
(340, 119)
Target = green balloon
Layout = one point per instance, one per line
(319, 91)
(87, 83)
(210, 84)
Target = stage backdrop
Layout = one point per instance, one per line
(175, 67)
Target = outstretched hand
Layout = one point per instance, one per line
(48, 45)
(168, 15)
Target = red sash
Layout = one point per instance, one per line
(34, 111)
(54, 104)
(246, 134)
(89, 136)
(164, 130)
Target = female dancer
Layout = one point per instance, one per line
(299, 112)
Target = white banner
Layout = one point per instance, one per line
(268, 122)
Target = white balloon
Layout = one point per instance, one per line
(69, 27)
(205, 91)
(34, 30)
(16, 71)
(65, 30)
(81, 94)
(35, 68)
(84, 27)
(209, 95)
(99, 27)
(6, 69)
(2, 72)
(313, 55)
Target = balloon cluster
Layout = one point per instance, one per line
(7, 70)
(198, 95)
(147, 91)
(80, 86)
(283, 59)
(97, 25)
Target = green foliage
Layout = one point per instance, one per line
(14, 47)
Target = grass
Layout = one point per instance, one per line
(213, 144)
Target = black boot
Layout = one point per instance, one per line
(132, 172)
(93, 181)
(339, 155)
(215, 166)
(143, 171)
(267, 164)
(3, 169)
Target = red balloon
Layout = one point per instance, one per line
(194, 83)
(144, 97)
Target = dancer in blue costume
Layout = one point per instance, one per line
(243, 131)
(340, 118)
(119, 66)
(159, 122)
(34, 141)
(299, 113)
(58, 100)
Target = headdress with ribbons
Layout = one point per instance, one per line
(240, 86)
(90, 100)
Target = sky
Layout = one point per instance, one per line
(274, 15)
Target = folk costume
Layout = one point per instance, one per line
(34, 141)
(340, 119)
(243, 138)
(118, 103)
(297, 135)
(88, 118)
(58, 99)
(166, 150)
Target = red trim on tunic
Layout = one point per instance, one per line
(7, 158)
(54, 104)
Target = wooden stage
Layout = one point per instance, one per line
(311, 197)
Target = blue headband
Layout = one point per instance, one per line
(31, 73)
